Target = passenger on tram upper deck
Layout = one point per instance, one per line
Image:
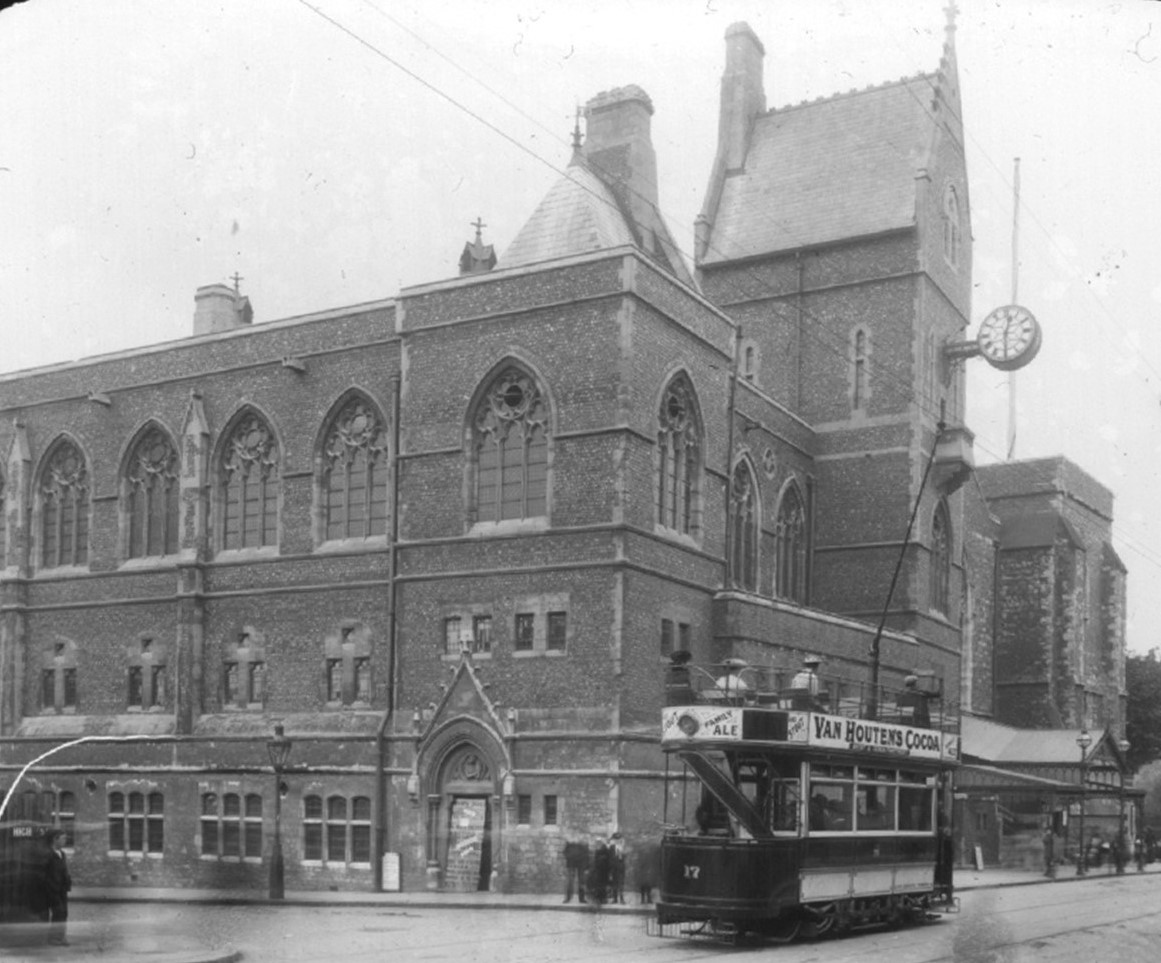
(730, 684)
(805, 685)
(915, 699)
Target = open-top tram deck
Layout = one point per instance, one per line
(819, 804)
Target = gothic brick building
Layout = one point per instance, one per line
(449, 539)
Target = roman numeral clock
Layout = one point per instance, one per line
(1007, 339)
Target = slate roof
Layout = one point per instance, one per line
(992, 742)
(827, 170)
(578, 214)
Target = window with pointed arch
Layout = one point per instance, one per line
(354, 473)
(248, 485)
(152, 494)
(790, 535)
(678, 458)
(510, 449)
(63, 492)
(940, 558)
(744, 525)
(951, 227)
(860, 369)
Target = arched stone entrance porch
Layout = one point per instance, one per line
(461, 769)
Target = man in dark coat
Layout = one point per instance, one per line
(576, 865)
(58, 882)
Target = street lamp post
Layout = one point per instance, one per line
(279, 749)
(1084, 740)
(1122, 839)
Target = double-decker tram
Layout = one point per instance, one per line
(803, 811)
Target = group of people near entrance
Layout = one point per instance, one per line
(596, 874)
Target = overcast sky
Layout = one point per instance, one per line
(331, 152)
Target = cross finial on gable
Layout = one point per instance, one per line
(236, 278)
(479, 225)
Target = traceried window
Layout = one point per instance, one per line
(678, 459)
(744, 546)
(790, 548)
(248, 485)
(951, 227)
(64, 508)
(152, 496)
(354, 465)
(940, 558)
(511, 449)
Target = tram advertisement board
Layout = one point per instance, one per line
(864, 735)
(701, 722)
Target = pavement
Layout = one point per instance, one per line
(30, 947)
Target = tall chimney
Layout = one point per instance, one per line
(218, 307)
(743, 97)
(619, 145)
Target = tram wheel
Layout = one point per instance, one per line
(823, 920)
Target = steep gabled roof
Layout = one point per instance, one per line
(578, 214)
(827, 170)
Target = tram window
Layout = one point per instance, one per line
(782, 805)
(916, 801)
(876, 808)
(831, 805)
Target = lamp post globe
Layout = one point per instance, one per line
(278, 748)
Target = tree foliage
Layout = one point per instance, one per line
(1143, 712)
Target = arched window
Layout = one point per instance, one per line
(152, 495)
(354, 473)
(951, 226)
(679, 458)
(64, 507)
(790, 548)
(860, 373)
(248, 485)
(510, 437)
(940, 558)
(744, 545)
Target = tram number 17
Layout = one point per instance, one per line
(692, 872)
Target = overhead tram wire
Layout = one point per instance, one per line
(833, 345)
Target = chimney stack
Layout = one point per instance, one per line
(743, 97)
(619, 145)
(218, 307)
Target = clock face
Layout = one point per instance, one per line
(1009, 337)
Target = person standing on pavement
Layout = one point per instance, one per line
(576, 866)
(616, 868)
(1049, 853)
(58, 882)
